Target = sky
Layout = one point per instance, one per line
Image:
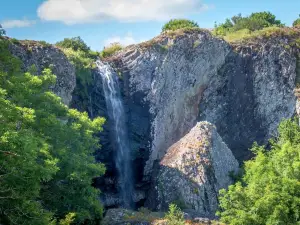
(100, 22)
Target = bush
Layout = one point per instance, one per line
(111, 49)
(269, 192)
(256, 21)
(297, 22)
(75, 43)
(2, 31)
(174, 216)
(46, 151)
(177, 24)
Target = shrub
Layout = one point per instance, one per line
(297, 22)
(75, 43)
(2, 31)
(177, 24)
(174, 216)
(256, 21)
(111, 50)
(269, 191)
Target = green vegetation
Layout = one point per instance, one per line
(110, 50)
(143, 214)
(240, 28)
(83, 58)
(269, 191)
(174, 216)
(256, 21)
(177, 24)
(2, 31)
(75, 43)
(46, 151)
(296, 22)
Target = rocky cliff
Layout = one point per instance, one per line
(174, 81)
(41, 56)
(177, 79)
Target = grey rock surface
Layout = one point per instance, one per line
(252, 93)
(47, 56)
(167, 79)
(194, 170)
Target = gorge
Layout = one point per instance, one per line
(182, 111)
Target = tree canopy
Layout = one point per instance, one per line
(176, 24)
(75, 43)
(46, 151)
(269, 192)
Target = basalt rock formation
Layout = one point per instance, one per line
(43, 56)
(194, 170)
(177, 79)
(171, 83)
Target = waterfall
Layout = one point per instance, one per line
(120, 136)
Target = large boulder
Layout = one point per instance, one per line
(194, 170)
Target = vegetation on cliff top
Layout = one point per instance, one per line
(176, 24)
(260, 24)
(83, 58)
(46, 151)
(269, 191)
(297, 22)
(111, 49)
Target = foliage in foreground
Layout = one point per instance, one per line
(177, 24)
(46, 161)
(269, 192)
(111, 49)
(174, 216)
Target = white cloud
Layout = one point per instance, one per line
(128, 39)
(82, 11)
(17, 23)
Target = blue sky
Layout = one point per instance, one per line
(100, 22)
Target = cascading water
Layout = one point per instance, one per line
(117, 116)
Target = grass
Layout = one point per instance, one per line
(143, 214)
(173, 34)
(111, 50)
(247, 35)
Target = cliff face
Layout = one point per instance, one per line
(252, 93)
(168, 79)
(43, 56)
(175, 80)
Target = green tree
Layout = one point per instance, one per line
(296, 22)
(75, 43)
(2, 31)
(176, 24)
(46, 151)
(256, 21)
(174, 216)
(269, 192)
